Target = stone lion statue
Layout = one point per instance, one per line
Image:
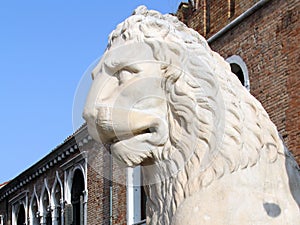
(209, 153)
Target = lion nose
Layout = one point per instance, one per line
(90, 116)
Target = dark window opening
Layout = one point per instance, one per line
(206, 16)
(237, 70)
(58, 212)
(231, 8)
(48, 218)
(77, 197)
(143, 203)
(46, 207)
(57, 204)
(21, 216)
(34, 211)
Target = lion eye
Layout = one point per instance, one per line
(124, 76)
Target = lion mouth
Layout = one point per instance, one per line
(133, 135)
(117, 124)
(110, 135)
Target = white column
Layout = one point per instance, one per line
(133, 195)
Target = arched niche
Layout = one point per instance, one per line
(34, 209)
(239, 68)
(45, 205)
(21, 215)
(77, 197)
(57, 201)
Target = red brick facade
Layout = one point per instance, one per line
(268, 42)
(103, 191)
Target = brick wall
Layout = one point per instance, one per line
(209, 16)
(99, 184)
(268, 42)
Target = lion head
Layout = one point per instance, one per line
(164, 100)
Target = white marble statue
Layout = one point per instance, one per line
(209, 152)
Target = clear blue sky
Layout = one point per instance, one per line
(45, 48)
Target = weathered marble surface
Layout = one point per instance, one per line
(208, 150)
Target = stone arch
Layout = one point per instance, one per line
(77, 165)
(57, 200)
(77, 196)
(239, 68)
(69, 181)
(19, 209)
(34, 209)
(45, 205)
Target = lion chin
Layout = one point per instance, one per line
(161, 95)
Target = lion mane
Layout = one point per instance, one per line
(216, 126)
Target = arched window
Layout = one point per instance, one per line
(47, 209)
(57, 198)
(75, 191)
(239, 68)
(77, 197)
(21, 219)
(34, 218)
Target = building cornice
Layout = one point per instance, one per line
(69, 147)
